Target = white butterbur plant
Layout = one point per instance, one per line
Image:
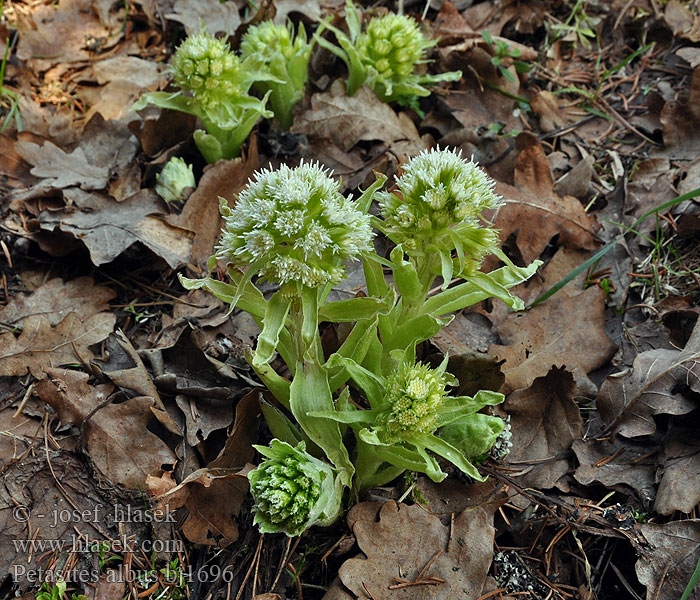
(214, 85)
(293, 228)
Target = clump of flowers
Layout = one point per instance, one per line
(286, 57)
(293, 490)
(174, 180)
(387, 56)
(214, 85)
(437, 209)
(293, 226)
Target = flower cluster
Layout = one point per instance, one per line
(415, 394)
(173, 181)
(386, 56)
(292, 490)
(206, 66)
(293, 225)
(214, 85)
(286, 57)
(439, 203)
(390, 49)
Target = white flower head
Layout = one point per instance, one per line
(295, 226)
(440, 198)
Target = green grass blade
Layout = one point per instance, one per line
(694, 578)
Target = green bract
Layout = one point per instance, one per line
(385, 56)
(284, 56)
(174, 179)
(216, 83)
(438, 210)
(293, 490)
(409, 410)
(294, 226)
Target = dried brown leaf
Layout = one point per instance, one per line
(545, 421)
(679, 488)
(116, 435)
(406, 538)
(347, 120)
(543, 337)
(660, 382)
(60, 169)
(666, 570)
(216, 16)
(40, 346)
(108, 228)
(56, 299)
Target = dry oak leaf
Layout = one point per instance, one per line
(676, 550)
(214, 495)
(543, 337)
(40, 346)
(631, 465)
(660, 382)
(404, 539)
(679, 488)
(347, 120)
(214, 15)
(535, 213)
(56, 298)
(116, 435)
(682, 21)
(681, 124)
(60, 169)
(545, 421)
(108, 228)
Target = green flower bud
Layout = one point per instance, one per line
(446, 196)
(286, 58)
(415, 395)
(293, 490)
(294, 226)
(174, 179)
(206, 66)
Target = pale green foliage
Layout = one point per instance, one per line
(174, 179)
(294, 225)
(278, 51)
(438, 209)
(215, 86)
(293, 490)
(386, 56)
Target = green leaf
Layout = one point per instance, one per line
(371, 385)
(310, 393)
(309, 308)
(355, 347)
(275, 316)
(209, 146)
(280, 426)
(356, 309)
(365, 200)
(448, 452)
(348, 417)
(278, 385)
(374, 276)
(406, 277)
(474, 434)
(416, 330)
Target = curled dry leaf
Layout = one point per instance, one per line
(214, 495)
(347, 120)
(56, 298)
(543, 337)
(116, 435)
(406, 544)
(545, 421)
(534, 213)
(666, 570)
(41, 346)
(660, 382)
(679, 488)
(108, 228)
